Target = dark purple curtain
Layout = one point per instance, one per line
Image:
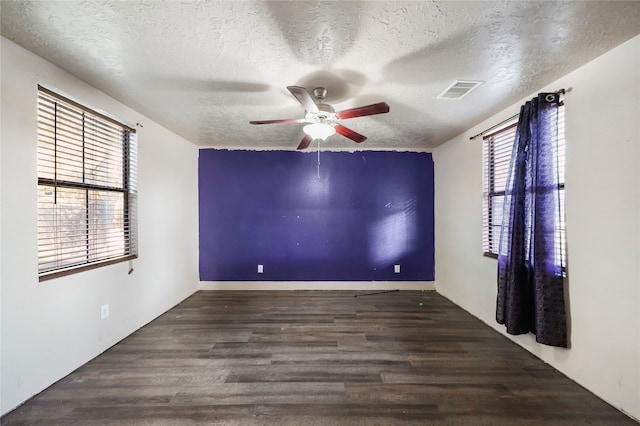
(530, 275)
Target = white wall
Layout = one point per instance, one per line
(49, 329)
(602, 132)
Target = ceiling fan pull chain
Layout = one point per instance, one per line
(318, 158)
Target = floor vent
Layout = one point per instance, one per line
(459, 89)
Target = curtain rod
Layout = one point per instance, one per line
(561, 92)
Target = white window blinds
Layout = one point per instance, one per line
(496, 157)
(86, 188)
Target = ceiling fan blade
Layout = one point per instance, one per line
(373, 109)
(348, 133)
(304, 98)
(290, 120)
(304, 143)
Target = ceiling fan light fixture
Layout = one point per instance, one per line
(319, 130)
(322, 120)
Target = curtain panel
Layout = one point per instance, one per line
(530, 274)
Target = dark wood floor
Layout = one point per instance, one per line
(316, 358)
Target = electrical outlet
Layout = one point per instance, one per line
(396, 269)
(260, 269)
(104, 311)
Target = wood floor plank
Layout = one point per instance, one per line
(316, 358)
(263, 393)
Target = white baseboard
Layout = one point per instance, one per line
(316, 285)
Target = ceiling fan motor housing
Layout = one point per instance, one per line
(326, 108)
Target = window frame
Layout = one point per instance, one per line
(128, 187)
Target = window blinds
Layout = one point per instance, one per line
(86, 187)
(496, 157)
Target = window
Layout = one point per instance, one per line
(496, 156)
(86, 188)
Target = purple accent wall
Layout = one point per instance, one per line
(368, 211)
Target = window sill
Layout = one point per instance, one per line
(45, 276)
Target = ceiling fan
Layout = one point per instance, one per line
(322, 120)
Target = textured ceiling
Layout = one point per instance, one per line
(205, 69)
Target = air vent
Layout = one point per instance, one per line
(459, 89)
